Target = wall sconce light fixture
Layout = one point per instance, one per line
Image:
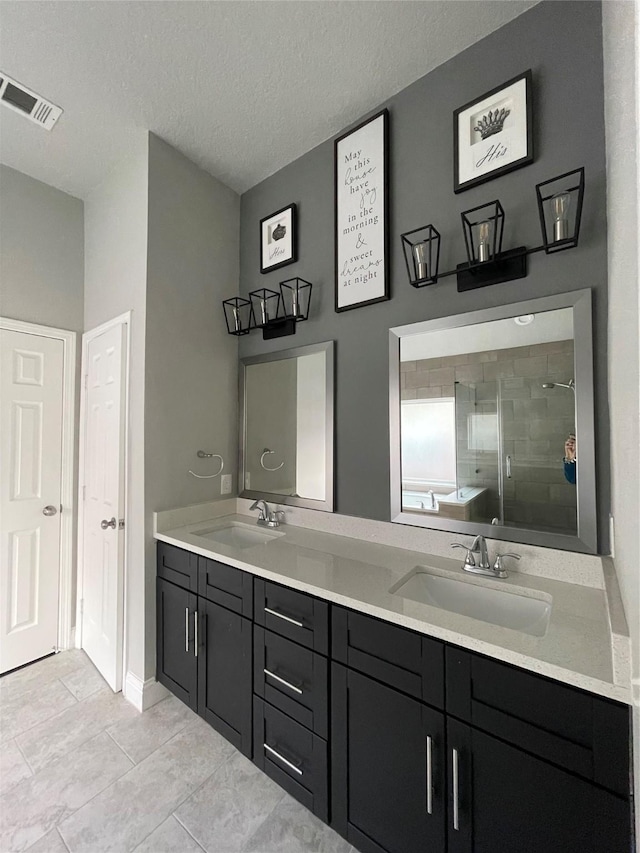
(296, 298)
(560, 209)
(422, 255)
(275, 313)
(238, 316)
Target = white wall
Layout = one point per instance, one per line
(41, 253)
(621, 22)
(191, 362)
(42, 266)
(115, 282)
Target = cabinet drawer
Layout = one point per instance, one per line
(292, 678)
(178, 566)
(584, 733)
(292, 614)
(232, 588)
(393, 655)
(292, 756)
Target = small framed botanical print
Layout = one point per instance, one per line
(278, 239)
(493, 134)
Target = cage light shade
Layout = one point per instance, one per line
(483, 227)
(422, 255)
(237, 314)
(295, 294)
(265, 306)
(560, 209)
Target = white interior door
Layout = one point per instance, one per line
(31, 407)
(103, 502)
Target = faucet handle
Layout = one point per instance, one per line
(498, 565)
(469, 559)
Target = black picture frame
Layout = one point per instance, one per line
(462, 185)
(386, 295)
(292, 250)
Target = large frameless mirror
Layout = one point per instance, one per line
(491, 423)
(286, 426)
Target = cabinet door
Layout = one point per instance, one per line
(224, 673)
(388, 757)
(502, 798)
(177, 665)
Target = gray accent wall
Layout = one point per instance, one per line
(562, 44)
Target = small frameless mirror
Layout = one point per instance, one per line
(491, 417)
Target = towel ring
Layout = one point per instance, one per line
(202, 455)
(264, 453)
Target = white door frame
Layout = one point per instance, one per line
(121, 319)
(68, 508)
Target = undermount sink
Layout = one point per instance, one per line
(238, 535)
(495, 606)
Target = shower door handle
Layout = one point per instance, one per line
(508, 461)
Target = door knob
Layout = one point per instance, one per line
(105, 525)
(49, 510)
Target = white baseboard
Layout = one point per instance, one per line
(143, 694)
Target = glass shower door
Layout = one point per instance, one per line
(478, 492)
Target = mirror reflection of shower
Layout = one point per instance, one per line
(571, 385)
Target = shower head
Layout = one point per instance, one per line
(571, 384)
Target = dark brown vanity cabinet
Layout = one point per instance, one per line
(403, 743)
(290, 682)
(204, 649)
(434, 748)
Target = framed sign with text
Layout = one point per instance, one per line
(493, 135)
(361, 214)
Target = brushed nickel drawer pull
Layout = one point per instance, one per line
(455, 790)
(282, 616)
(186, 629)
(429, 775)
(284, 760)
(283, 681)
(195, 633)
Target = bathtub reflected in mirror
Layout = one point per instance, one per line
(491, 423)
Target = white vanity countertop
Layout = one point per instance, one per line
(576, 649)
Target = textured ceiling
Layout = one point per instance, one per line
(242, 88)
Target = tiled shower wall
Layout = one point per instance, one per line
(535, 423)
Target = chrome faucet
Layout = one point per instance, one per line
(484, 567)
(266, 517)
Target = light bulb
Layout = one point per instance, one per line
(263, 311)
(236, 319)
(560, 204)
(420, 259)
(294, 301)
(484, 240)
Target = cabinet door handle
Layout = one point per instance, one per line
(186, 629)
(195, 633)
(282, 616)
(283, 759)
(286, 683)
(429, 775)
(508, 467)
(455, 783)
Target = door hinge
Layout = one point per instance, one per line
(121, 524)
(84, 493)
(86, 381)
(82, 607)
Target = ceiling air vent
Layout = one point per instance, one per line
(22, 100)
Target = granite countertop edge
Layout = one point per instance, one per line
(466, 634)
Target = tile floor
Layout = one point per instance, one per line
(81, 771)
